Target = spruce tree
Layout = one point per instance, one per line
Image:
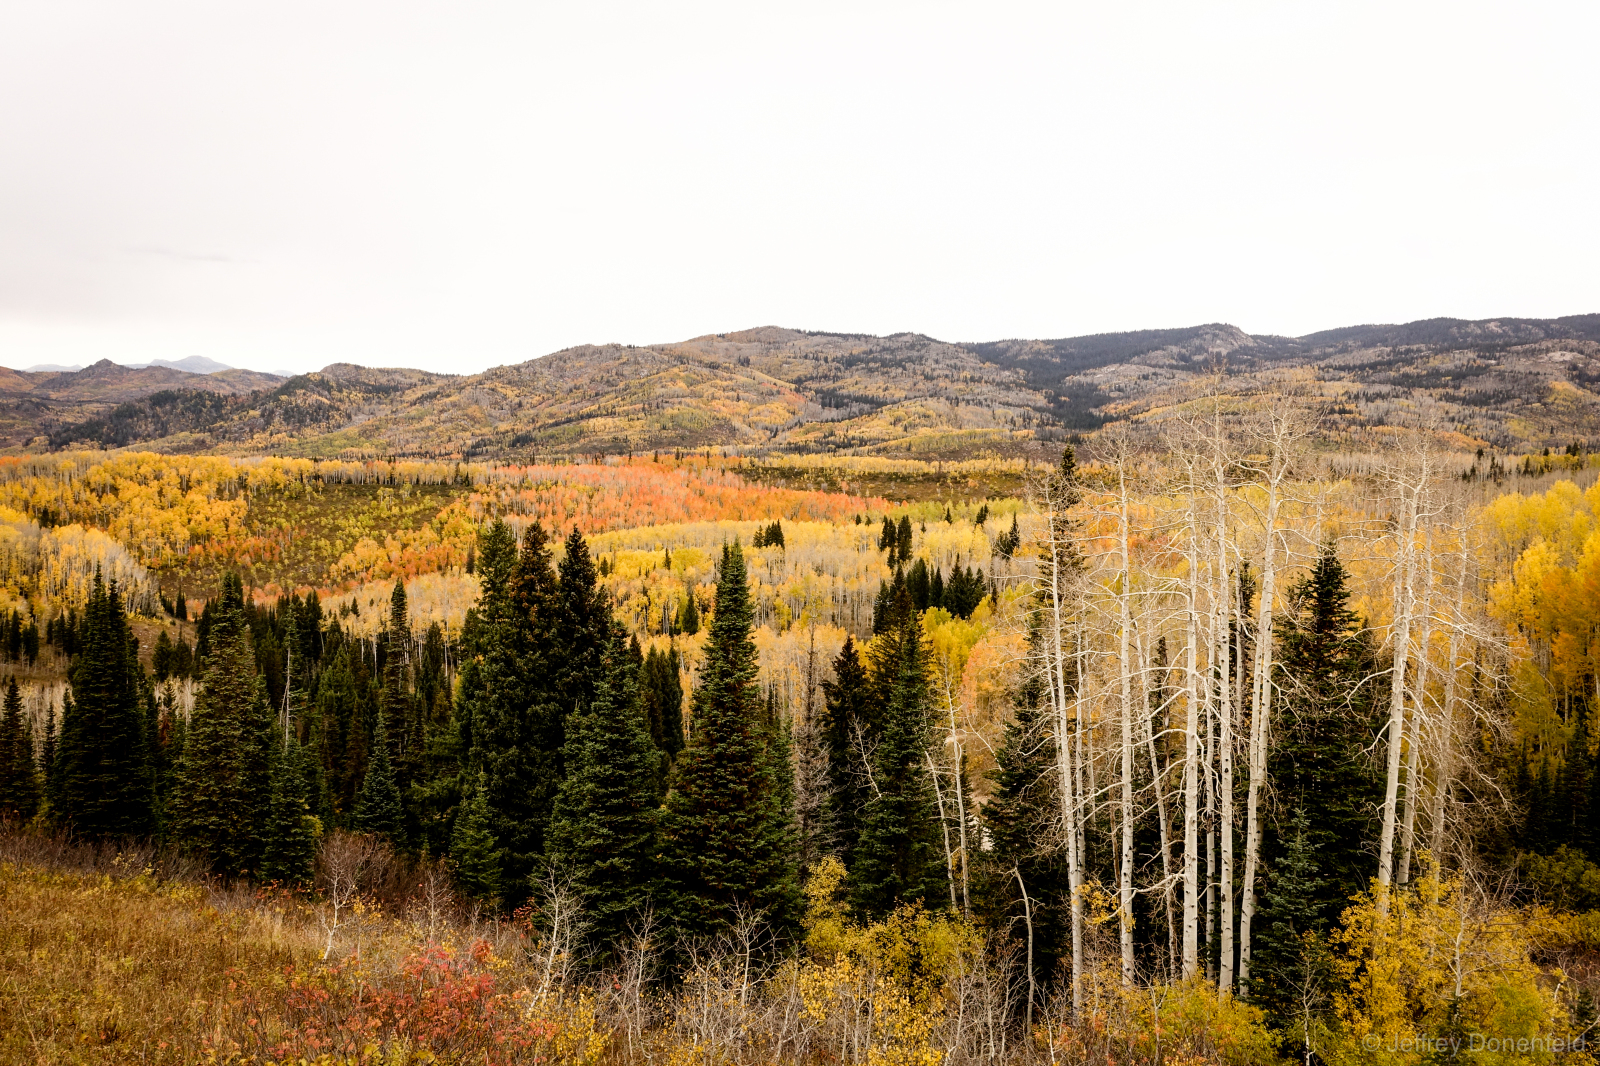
(918, 585)
(19, 773)
(500, 696)
(1282, 959)
(290, 847)
(223, 781)
(474, 859)
(104, 785)
(726, 845)
(847, 716)
(378, 808)
(1020, 817)
(662, 692)
(903, 537)
(898, 856)
(1319, 767)
(405, 723)
(689, 615)
(603, 832)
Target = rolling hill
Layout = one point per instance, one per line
(1508, 383)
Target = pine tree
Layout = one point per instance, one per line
(1319, 765)
(903, 537)
(290, 847)
(398, 705)
(888, 538)
(474, 859)
(726, 846)
(1291, 902)
(500, 691)
(223, 780)
(918, 585)
(898, 856)
(103, 784)
(847, 715)
(662, 692)
(604, 829)
(689, 616)
(19, 773)
(378, 808)
(1019, 817)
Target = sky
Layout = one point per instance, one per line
(457, 185)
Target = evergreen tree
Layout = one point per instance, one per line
(499, 689)
(662, 692)
(103, 783)
(726, 844)
(1282, 961)
(223, 781)
(290, 847)
(403, 711)
(847, 713)
(689, 616)
(1019, 817)
(888, 538)
(903, 537)
(1319, 766)
(898, 856)
(378, 808)
(474, 859)
(604, 829)
(918, 585)
(19, 773)
(936, 588)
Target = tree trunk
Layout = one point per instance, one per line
(1405, 531)
(1261, 697)
(1125, 671)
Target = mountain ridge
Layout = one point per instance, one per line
(1505, 383)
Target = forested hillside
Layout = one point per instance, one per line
(1507, 384)
(1199, 742)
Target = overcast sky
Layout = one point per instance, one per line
(456, 185)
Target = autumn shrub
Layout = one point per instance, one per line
(1442, 961)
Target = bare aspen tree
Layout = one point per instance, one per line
(1191, 755)
(1419, 698)
(1164, 821)
(1444, 764)
(1058, 493)
(1222, 619)
(944, 827)
(1409, 480)
(1279, 437)
(1125, 677)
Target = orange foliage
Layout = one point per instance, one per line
(644, 493)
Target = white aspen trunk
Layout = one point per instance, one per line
(1444, 768)
(1125, 670)
(1225, 726)
(1419, 697)
(1164, 820)
(1056, 664)
(1260, 704)
(961, 800)
(944, 826)
(1406, 528)
(1191, 770)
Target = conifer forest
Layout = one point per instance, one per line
(1206, 743)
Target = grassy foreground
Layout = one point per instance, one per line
(125, 964)
(130, 957)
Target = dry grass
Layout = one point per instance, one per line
(113, 956)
